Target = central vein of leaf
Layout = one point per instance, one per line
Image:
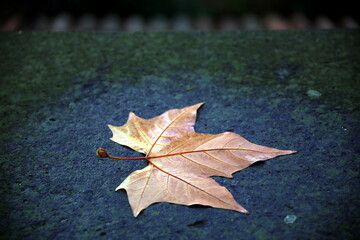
(102, 153)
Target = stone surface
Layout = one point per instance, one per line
(60, 90)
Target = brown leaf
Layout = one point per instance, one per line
(181, 161)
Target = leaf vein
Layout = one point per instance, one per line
(203, 165)
(135, 181)
(144, 135)
(146, 184)
(219, 160)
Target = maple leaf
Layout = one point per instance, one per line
(181, 161)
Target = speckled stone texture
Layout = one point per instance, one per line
(294, 90)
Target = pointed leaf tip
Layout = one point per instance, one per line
(131, 115)
(199, 104)
(195, 106)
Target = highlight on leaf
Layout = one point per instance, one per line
(182, 161)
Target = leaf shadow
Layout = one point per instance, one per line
(198, 223)
(198, 206)
(258, 164)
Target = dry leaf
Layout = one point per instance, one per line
(181, 161)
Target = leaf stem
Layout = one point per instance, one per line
(102, 153)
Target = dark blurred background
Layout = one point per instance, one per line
(214, 14)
